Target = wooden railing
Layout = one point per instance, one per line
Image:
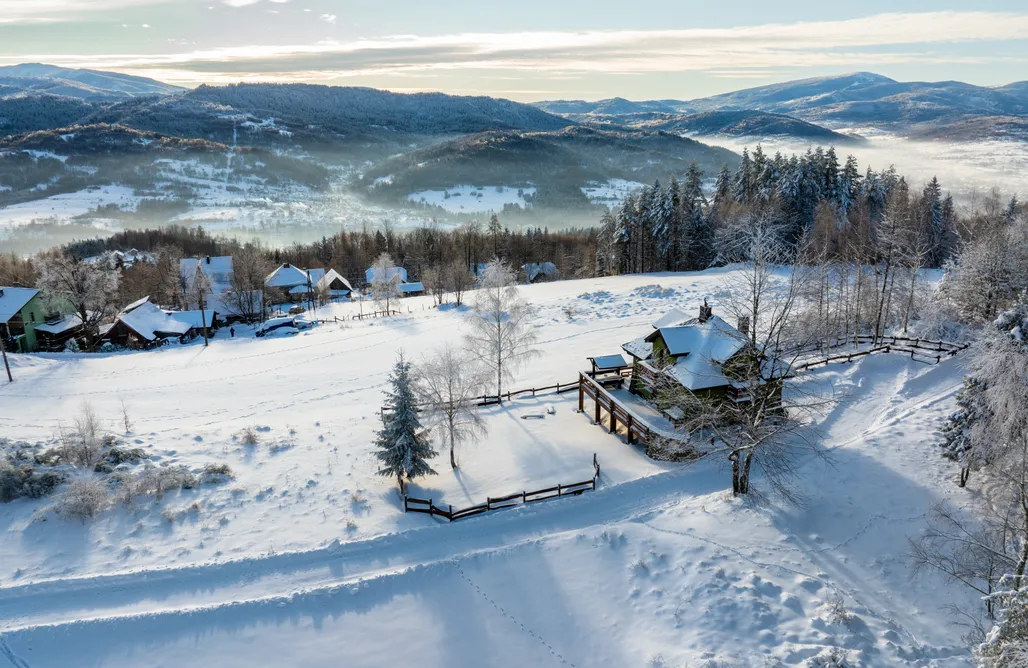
(920, 350)
(374, 314)
(428, 507)
(636, 428)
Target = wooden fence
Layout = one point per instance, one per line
(637, 429)
(559, 388)
(374, 314)
(920, 350)
(426, 506)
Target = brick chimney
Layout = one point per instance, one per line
(705, 311)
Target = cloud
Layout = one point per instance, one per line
(27, 11)
(328, 18)
(726, 52)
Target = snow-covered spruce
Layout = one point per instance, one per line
(402, 443)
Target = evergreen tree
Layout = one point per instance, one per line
(723, 188)
(1011, 211)
(964, 427)
(402, 443)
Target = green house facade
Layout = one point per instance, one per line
(21, 311)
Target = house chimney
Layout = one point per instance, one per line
(705, 311)
(744, 325)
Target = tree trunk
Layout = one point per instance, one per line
(744, 481)
(965, 473)
(734, 458)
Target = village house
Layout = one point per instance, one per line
(696, 353)
(539, 272)
(142, 324)
(22, 314)
(304, 285)
(333, 286)
(217, 271)
(398, 275)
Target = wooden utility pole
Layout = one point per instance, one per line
(3, 353)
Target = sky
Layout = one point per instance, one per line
(526, 50)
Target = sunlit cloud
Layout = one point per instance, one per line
(18, 11)
(739, 52)
(328, 18)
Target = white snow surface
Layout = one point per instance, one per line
(611, 192)
(659, 566)
(473, 199)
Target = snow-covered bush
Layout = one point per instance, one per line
(1006, 645)
(666, 449)
(155, 481)
(249, 435)
(83, 498)
(18, 481)
(836, 657)
(216, 473)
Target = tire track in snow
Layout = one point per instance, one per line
(165, 590)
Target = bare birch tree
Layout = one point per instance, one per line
(385, 281)
(449, 384)
(501, 337)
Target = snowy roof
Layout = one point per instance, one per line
(411, 287)
(671, 319)
(332, 276)
(65, 324)
(218, 271)
(13, 300)
(299, 290)
(696, 372)
(150, 322)
(316, 275)
(609, 362)
(194, 319)
(371, 274)
(534, 271)
(286, 276)
(136, 304)
(714, 339)
(640, 348)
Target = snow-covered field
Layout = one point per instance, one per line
(65, 206)
(473, 199)
(610, 193)
(658, 567)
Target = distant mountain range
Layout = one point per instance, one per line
(942, 110)
(62, 130)
(90, 85)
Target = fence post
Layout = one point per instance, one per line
(558, 490)
(630, 425)
(489, 503)
(613, 417)
(581, 395)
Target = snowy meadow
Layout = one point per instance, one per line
(305, 554)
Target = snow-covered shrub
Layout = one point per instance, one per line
(72, 346)
(83, 498)
(834, 610)
(666, 449)
(836, 657)
(155, 481)
(216, 473)
(249, 435)
(18, 481)
(108, 347)
(1006, 645)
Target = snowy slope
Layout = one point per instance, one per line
(659, 566)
